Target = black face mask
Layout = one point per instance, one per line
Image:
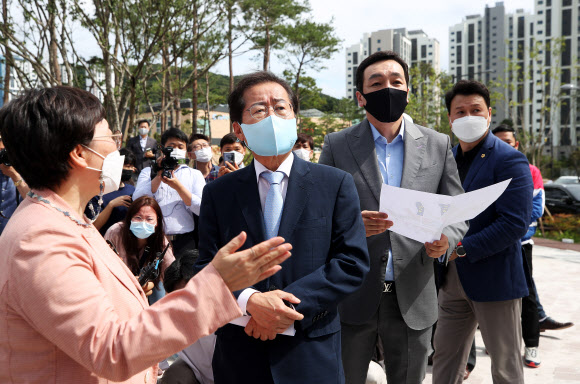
(386, 105)
(126, 175)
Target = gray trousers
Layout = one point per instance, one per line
(501, 329)
(405, 349)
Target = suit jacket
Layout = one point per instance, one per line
(134, 145)
(72, 312)
(321, 219)
(492, 268)
(428, 166)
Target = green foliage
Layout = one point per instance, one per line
(563, 226)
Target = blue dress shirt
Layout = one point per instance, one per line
(390, 157)
(8, 199)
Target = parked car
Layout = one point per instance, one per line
(563, 198)
(567, 180)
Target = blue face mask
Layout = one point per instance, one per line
(272, 136)
(141, 229)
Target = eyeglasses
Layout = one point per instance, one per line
(200, 146)
(281, 109)
(117, 138)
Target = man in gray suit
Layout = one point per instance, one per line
(398, 299)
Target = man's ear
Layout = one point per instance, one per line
(238, 131)
(360, 98)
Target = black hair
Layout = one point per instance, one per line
(196, 136)
(305, 138)
(504, 128)
(43, 126)
(236, 99)
(375, 58)
(139, 122)
(230, 138)
(130, 158)
(466, 88)
(181, 270)
(174, 133)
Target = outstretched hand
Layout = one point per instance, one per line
(245, 268)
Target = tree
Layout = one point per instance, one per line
(264, 18)
(306, 45)
(349, 112)
(544, 70)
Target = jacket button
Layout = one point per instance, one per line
(385, 258)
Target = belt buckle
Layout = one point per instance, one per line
(387, 287)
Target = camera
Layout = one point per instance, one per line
(4, 158)
(168, 164)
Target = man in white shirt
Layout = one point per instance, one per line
(179, 196)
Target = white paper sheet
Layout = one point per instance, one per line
(422, 216)
(242, 321)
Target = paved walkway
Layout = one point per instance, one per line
(557, 277)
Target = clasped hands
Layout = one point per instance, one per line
(270, 315)
(376, 222)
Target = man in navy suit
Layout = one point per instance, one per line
(485, 281)
(313, 207)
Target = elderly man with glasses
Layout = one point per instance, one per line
(292, 331)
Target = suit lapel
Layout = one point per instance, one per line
(297, 196)
(248, 198)
(362, 147)
(479, 160)
(115, 265)
(415, 145)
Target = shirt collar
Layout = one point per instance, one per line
(285, 167)
(377, 134)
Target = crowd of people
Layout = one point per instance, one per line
(118, 258)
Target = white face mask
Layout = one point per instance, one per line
(178, 154)
(238, 157)
(204, 155)
(302, 153)
(143, 131)
(112, 170)
(469, 128)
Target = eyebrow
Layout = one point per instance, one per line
(380, 74)
(266, 103)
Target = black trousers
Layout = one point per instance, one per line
(530, 317)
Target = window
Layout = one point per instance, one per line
(349, 54)
(471, 33)
(355, 58)
(566, 22)
(459, 37)
(378, 41)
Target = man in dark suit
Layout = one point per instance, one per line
(485, 280)
(315, 208)
(143, 146)
(398, 299)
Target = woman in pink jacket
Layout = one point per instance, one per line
(70, 309)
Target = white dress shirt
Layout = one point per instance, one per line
(263, 188)
(177, 216)
(143, 142)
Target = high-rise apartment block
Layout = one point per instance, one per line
(413, 46)
(530, 62)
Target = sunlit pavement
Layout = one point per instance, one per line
(557, 277)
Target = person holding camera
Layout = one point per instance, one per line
(70, 309)
(139, 238)
(13, 188)
(176, 187)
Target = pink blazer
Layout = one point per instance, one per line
(71, 311)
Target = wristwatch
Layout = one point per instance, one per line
(460, 251)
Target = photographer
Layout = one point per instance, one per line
(11, 184)
(179, 195)
(141, 228)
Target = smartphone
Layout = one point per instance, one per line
(230, 158)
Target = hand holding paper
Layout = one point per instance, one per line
(422, 216)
